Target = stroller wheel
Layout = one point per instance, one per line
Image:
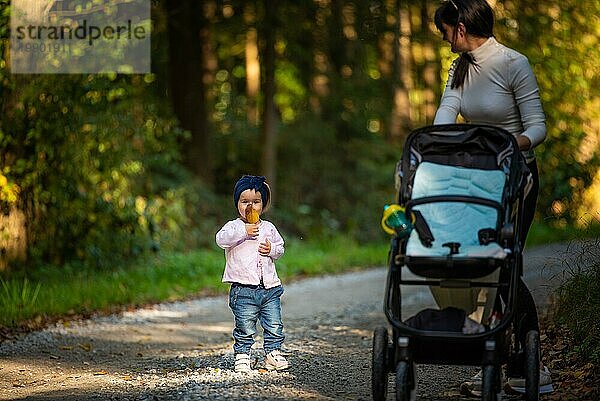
(532, 365)
(379, 371)
(404, 383)
(490, 385)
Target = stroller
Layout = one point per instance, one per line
(455, 248)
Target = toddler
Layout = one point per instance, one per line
(252, 246)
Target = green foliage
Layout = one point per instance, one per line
(152, 279)
(334, 255)
(561, 39)
(17, 300)
(94, 161)
(549, 231)
(333, 187)
(579, 302)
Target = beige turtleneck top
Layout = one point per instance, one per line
(501, 90)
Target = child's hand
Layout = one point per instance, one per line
(265, 248)
(252, 230)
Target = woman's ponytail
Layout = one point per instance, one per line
(462, 70)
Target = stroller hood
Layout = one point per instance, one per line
(463, 145)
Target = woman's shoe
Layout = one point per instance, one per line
(516, 385)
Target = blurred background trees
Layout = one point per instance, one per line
(318, 95)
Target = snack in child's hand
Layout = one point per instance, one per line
(251, 215)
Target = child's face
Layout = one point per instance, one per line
(250, 197)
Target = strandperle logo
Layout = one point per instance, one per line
(83, 32)
(80, 36)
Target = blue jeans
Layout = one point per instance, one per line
(250, 305)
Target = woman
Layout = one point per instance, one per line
(492, 84)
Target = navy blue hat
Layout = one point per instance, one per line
(256, 183)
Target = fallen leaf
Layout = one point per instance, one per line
(128, 378)
(101, 372)
(86, 347)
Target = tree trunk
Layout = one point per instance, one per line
(13, 237)
(269, 162)
(401, 118)
(188, 32)
(430, 70)
(252, 64)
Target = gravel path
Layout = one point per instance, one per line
(182, 351)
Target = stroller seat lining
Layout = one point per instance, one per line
(457, 221)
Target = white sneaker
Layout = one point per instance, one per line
(276, 361)
(242, 363)
(517, 384)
